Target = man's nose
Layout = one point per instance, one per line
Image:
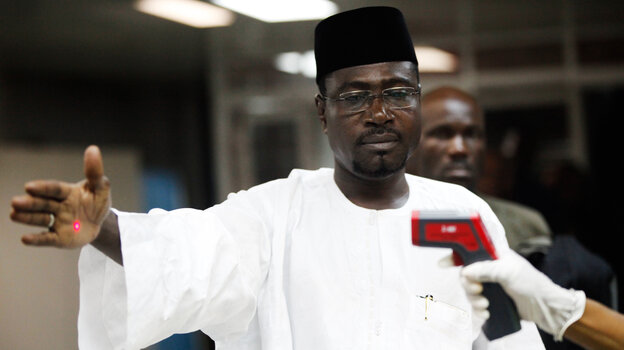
(380, 113)
(458, 146)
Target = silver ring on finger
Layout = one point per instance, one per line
(51, 223)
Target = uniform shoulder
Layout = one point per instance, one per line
(503, 205)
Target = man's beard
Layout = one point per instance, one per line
(383, 169)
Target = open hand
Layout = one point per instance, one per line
(75, 210)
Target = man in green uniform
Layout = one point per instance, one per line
(452, 149)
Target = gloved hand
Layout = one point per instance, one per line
(537, 298)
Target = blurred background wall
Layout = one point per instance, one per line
(39, 287)
(206, 111)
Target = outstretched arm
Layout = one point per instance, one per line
(558, 311)
(598, 328)
(75, 214)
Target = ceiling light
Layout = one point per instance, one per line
(288, 62)
(307, 64)
(194, 13)
(297, 63)
(434, 60)
(281, 10)
(430, 60)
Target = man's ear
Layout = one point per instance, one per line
(320, 110)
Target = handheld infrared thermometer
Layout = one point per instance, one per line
(467, 236)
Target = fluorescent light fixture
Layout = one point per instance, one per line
(288, 62)
(297, 63)
(430, 60)
(307, 64)
(281, 10)
(434, 60)
(194, 13)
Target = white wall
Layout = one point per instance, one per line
(39, 286)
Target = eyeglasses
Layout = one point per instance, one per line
(361, 100)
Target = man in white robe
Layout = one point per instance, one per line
(320, 260)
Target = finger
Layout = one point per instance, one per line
(48, 189)
(479, 302)
(446, 261)
(41, 239)
(471, 286)
(482, 271)
(482, 314)
(35, 219)
(93, 167)
(34, 204)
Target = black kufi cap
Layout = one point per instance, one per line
(362, 36)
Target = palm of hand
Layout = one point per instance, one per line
(76, 210)
(81, 214)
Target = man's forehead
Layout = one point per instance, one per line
(451, 109)
(441, 95)
(385, 73)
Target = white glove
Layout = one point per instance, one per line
(537, 298)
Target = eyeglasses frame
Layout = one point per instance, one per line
(372, 97)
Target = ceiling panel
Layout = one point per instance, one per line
(109, 38)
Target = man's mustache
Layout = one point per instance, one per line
(379, 130)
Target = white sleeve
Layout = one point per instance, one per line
(183, 271)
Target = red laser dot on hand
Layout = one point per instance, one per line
(76, 226)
